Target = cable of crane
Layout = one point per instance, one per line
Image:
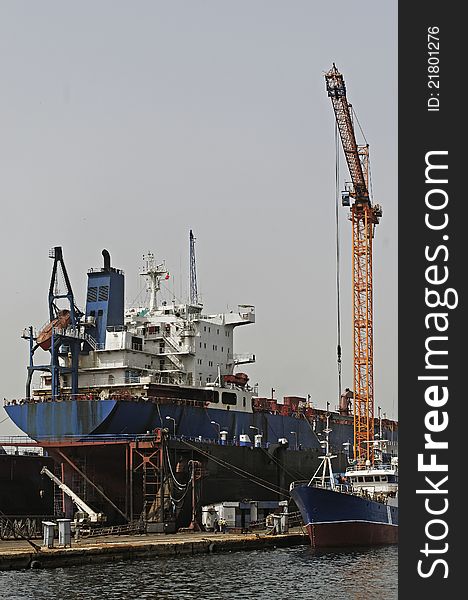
(371, 189)
(359, 124)
(337, 233)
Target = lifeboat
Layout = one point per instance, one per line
(239, 379)
(62, 321)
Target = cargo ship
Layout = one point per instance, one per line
(117, 371)
(114, 373)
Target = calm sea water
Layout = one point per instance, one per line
(286, 573)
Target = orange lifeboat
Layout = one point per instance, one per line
(239, 379)
(62, 321)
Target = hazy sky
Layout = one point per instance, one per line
(125, 124)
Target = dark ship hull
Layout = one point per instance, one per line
(335, 519)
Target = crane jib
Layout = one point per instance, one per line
(336, 90)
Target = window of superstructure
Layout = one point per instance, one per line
(212, 396)
(368, 478)
(229, 398)
(217, 331)
(137, 343)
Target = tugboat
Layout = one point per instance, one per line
(357, 509)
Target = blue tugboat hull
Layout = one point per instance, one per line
(338, 519)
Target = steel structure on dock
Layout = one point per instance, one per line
(147, 485)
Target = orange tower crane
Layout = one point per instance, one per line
(364, 217)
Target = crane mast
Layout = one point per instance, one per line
(364, 217)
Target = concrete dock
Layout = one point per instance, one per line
(18, 554)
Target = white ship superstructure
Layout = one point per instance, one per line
(162, 343)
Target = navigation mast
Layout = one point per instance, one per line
(193, 272)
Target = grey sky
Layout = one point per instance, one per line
(125, 124)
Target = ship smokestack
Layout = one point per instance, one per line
(107, 260)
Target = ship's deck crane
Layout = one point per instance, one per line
(61, 336)
(364, 217)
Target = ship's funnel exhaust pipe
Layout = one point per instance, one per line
(107, 260)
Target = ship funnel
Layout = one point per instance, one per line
(104, 299)
(107, 260)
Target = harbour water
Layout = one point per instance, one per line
(280, 574)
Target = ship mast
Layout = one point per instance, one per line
(154, 273)
(193, 272)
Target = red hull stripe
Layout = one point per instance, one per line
(351, 533)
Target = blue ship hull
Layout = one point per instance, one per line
(81, 418)
(87, 417)
(339, 519)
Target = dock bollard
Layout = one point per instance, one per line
(49, 531)
(64, 527)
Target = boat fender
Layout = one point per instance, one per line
(35, 564)
(211, 548)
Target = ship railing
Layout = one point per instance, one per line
(374, 467)
(338, 487)
(102, 270)
(299, 483)
(242, 359)
(70, 332)
(116, 328)
(16, 440)
(23, 440)
(94, 396)
(13, 527)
